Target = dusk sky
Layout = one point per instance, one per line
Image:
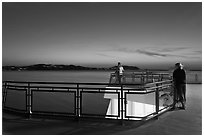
(146, 35)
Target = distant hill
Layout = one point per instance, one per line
(51, 67)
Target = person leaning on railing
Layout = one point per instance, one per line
(179, 80)
(119, 72)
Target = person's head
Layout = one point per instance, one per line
(178, 65)
(119, 64)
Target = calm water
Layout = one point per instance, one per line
(76, 76)
(63, 76)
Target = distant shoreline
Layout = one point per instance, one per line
(51, 67)
(89, 70)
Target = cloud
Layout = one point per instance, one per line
(198, 52)
(172, 49)
(142, 51)
(104, 55)
(175, 52)
(149, 53)
(124, 49)
(182, 52)
(163, 54)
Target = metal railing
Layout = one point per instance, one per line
(142, 77)
(77, 98)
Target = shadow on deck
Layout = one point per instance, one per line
(19, 125)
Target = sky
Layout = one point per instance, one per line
(146, 35)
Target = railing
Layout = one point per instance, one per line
(104, 100)
(142, 77)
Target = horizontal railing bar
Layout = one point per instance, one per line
(137, 92)
(86, 88)
(144, 73)
(56, 87)
(52, 113)
(165, 108)
(165, 85)
(89, 88)
(101, 92)
(39, 90)
(17, 89)
(18, 86)
(15, 109)
(134, 117)
(154, 113)
(73, 88)
(160, 82)
(147, 92)
(154, 84)
(99, 115)
(68, 83)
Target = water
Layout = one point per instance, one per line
(56, 76)
(194, 77)
(77, 76)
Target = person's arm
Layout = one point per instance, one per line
(184, 76)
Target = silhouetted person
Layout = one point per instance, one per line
(179, 79)
(119, 72)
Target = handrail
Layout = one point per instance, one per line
(161, 86)
(68, 83)
(138, 89)
(141, 86)
(60, 87)
(143, 73)
(159, 82)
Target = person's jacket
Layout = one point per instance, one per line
(179, 76)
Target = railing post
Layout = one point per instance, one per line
(4, 95)
(29, 101)
(122, 102)
(77, 103)
(110, 80)
(152, 78)
(157, 100)
(174, 94)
